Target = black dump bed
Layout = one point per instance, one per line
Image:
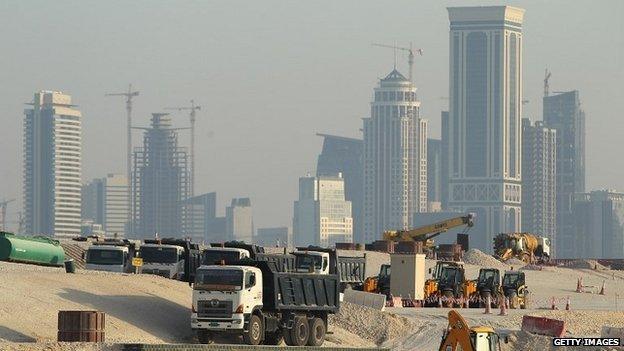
(352, 269)
(289, 291)
(283, 262)
(251, 248)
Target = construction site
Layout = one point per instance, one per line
(171, 294)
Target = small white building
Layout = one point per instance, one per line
(322, 216)
(239, 220)
(105, 201)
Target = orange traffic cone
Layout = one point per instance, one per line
(440, 301)
(602, 292)
(568, 304)
(579, 285)
(503, 304)
(552, 304)
(488, 305)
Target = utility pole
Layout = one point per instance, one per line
(3, 212)
(410, 56)
(192, 114)
(129, 95)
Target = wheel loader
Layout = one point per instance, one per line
(459, 336)
(448, 283)
(488, 284)
(515, 289)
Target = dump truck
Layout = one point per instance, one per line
(233, 251)
(352, 269)
(529, 248)
(253, 299)
(488, 284)
(111, 256)
(459, 336)
(170, 258)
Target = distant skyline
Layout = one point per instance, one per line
(270, 75)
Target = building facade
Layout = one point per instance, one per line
(434, 175)
(105, 202)
(322, 215)
(239, 220)
(563, 112)
(200, 217)
(160, 182)
(444, 159)
(395, 158)
(598, 225)
(484, 118)
(52, 165)
(539, 182)
(276, 236)
(344, 155)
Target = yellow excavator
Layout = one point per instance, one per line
(426, 233)
(459, 336)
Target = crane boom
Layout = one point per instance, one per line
(192, 114)
(429, 231)
(410, 57)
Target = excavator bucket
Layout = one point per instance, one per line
(457, 333)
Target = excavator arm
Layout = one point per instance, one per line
(457, 334)
(430, 231)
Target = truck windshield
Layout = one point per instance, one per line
(511, 279)
(305, 262)
(157, 254)
(448, 275)
(105, 257)
(219, 279)
(487, 277)
(215, 257)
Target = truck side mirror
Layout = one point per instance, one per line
(506, 339)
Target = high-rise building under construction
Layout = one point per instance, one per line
(160, 181)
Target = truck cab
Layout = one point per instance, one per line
(162, 259)
(311, 262)
(224, 298)
(214, 255)
(109, 258)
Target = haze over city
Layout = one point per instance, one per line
(271, 74)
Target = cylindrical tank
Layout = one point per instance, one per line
(84, 326)
(27, 249)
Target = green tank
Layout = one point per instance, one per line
(31, 249)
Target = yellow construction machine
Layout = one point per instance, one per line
(524, 246)
(448, 283)
(459, 336)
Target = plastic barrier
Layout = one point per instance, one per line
(543, 326)
(376, 301)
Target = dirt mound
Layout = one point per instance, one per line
(480, 258)
(370, 324)
(586, 264)
(515, 262)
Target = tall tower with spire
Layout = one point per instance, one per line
(395, 158)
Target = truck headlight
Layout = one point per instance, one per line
(239, 309)
(236, 321)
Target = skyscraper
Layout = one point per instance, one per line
(485, 111)
(563, 113)
(200, 217)
(395, 158)
(52, 165)
(322, 216)
(598, 225)
(105, 202)
(344, 155)
(434, 175)
(539, 183)
(160, 181)
(444, 159)
(239, 220)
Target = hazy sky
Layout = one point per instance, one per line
(270, 74)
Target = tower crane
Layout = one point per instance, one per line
(3, 212)
(129, 96)
(192, 114)
(410, 55)
(546, 78)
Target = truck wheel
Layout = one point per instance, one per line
(274, 338)
(317, 332)
(204, 337)
(255, 331)
(300, 332)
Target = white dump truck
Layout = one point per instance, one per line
(169, 258)
(263, 304)
(110, 256)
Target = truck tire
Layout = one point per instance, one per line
(299, 333)
(274, 338)
(317, 332)
(204, 337)
(255, 331)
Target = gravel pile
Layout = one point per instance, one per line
(586, 264)
(370, 324)
(479, 258)
(515, 262)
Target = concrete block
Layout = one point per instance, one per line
(376, 301)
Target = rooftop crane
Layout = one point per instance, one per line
(427, 232)
(129, 95)
(192, 113)
(410, 55)
(546, 78)
(3, 212)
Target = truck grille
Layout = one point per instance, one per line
(214, 309)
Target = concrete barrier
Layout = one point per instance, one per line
(543, 326)
(376, 301)
(612, 332)
(200, 347)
